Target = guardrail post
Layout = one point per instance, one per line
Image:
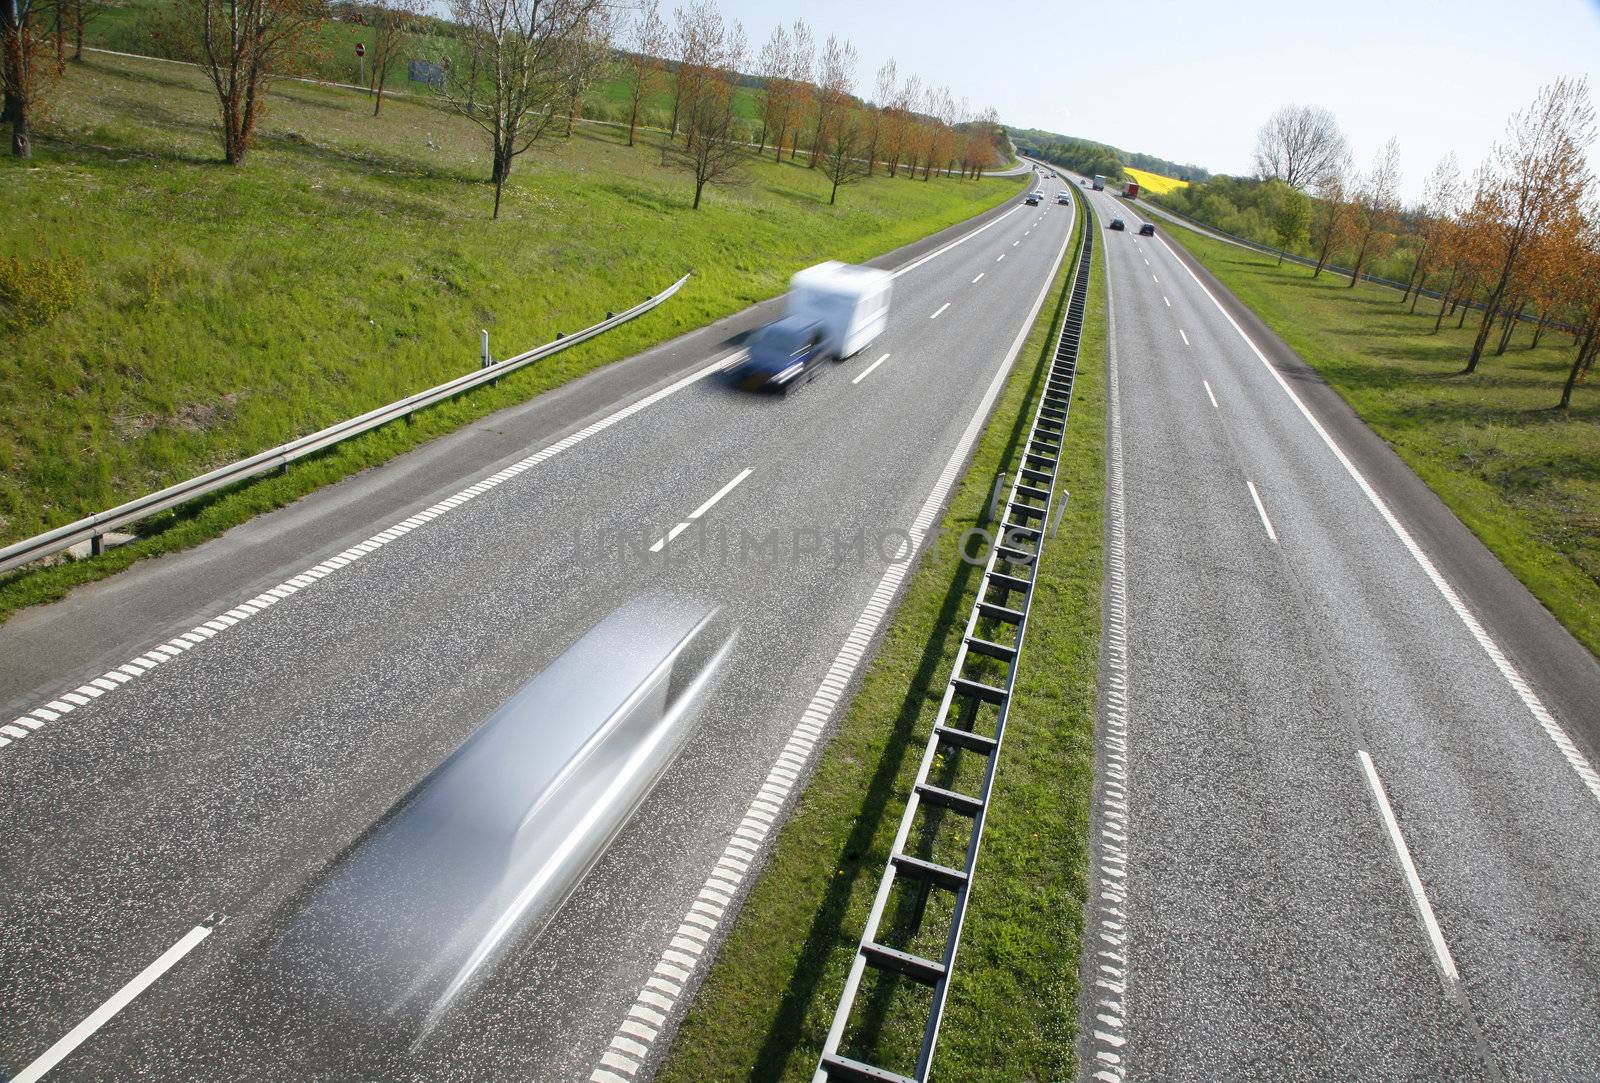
(487, 360)
(97, 545)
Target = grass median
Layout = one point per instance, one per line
(766, 1003)
(185, 314)
(1523, 476)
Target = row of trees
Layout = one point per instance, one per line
(1516, 244)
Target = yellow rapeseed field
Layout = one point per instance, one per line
(1154, 182)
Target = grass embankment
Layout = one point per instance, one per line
(1524, 477)
(764, 1010)
(1154, 182)
(351, 261)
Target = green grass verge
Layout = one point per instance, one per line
(1523, 476)
(350, 262)
(765, 1007)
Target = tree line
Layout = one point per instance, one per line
(1515, 245)
(1090, 158)
(520, 72)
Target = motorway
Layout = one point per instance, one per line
(269, 695)
(1347, 824)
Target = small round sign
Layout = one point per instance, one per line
(361, 50)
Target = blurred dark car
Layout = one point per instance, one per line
(781, 354)
(1147, 230)
(1117, 223)
(1032, 198)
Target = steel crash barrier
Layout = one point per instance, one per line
(93, 528)
(970, 723)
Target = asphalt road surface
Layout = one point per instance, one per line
(158, 824)
(1354, 828)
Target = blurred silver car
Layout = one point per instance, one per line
(481, 854)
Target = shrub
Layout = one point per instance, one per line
(36, 291)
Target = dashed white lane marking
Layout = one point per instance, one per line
(24, 725)
(1164, 298)
(629, 1048)
(1112, 966)
(1015, 243)
(1210, 394)
(1000, 257)
(940, 309)
(1154, 279)
(1146, 262)
(1419, 896)
(963, 239)
(1183, 336)
(868, 370)
(975, 281)
(1025, 233)
(1508, 671)
(119, 1000)
(1261, 509)
(701, 510)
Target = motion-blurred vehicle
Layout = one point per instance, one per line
(851, 304)
(1099, 182)
(1147, 230)
(480, 855)
(1130, 190)
(782, 354)
(1032, 198)
(1063, 197)
(1117, 223)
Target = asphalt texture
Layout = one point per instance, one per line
(228, 780)
(1271, 929)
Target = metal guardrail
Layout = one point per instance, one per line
(994, 635)
(92, 528)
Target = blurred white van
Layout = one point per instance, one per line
(851, 303)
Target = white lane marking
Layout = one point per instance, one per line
(119, 1000)
(868, 370)
(1109, 881)
(1210, 394)
(980, 275)
(1000, 257)
(662, 991)
(1146, 262)
(1261, 509)
(1419, 896)
(1156, 280)
(244, 610)
(1183, 336)
(941, 308)
(701, 510)
(1015, 243)
(963, 239)
(1508, 671)
(1164, 298)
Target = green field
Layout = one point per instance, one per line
(765, 1007)
(1523, 476)
(208, 312)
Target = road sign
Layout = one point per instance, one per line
(361, 50)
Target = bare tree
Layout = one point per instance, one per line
(836, 74)
(1539, 169)
(647, 40)
(25, 71)
(245, 44)
(1440, 194)
(802, 57)
(841, 153)
(1299, 145)
(713, 152)
(1334, 217)
(773, 67)
(525, 47)
(391, 22)
(1377, 205)
(79, 13)
(882, 102)
(584, 61)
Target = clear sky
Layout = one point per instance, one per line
(1192, 81)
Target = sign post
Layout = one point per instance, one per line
(361, 56)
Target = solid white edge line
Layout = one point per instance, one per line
(1262, 511)
(54, 709)
(941, 308)
(1508, 671)
(868, 370)
(119, 1000)
(1113, 811)
(1419, 896)
(1211, 394)
(673, 968)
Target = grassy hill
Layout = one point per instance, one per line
(208, 312)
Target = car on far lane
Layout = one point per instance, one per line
(1117, 223)
(1033, 197)
(1147, 230)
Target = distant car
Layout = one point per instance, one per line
(1032, 199)
(1084, 183)
(1147, 230)
(1117, 223)
(1063, 197)
(781, 354)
